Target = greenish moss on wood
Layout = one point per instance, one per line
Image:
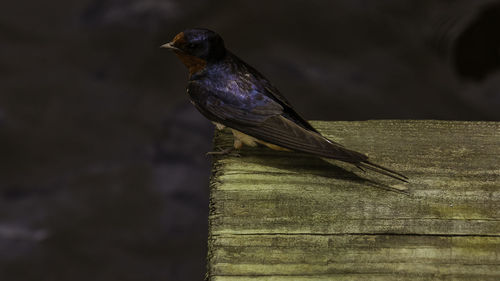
(288, 216)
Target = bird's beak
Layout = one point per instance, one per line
(170, 46)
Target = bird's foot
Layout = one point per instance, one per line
(227, 151)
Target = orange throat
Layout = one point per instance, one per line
(193, 63)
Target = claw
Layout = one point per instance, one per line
(227, 151)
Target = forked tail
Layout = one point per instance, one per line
(382, 170)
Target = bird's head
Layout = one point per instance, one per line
(196, 47)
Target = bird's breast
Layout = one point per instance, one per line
(194, 64)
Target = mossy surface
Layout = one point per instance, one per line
(288, 216)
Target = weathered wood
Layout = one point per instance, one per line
(287, 216)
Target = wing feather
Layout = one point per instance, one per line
(283, 132)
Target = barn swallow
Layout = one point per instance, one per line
(232, 94)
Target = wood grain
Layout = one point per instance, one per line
(289, 216)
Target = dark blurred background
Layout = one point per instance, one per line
(103, 169)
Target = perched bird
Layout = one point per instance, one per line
(233, 94)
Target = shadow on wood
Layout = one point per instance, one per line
(286, 216)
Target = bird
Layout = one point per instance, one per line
(231, 93)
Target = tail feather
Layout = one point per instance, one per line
(382, 170)
(285, 133)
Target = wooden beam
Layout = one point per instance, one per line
(288, 216)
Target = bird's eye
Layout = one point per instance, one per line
(192, 45)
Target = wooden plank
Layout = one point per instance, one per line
(288, 216)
